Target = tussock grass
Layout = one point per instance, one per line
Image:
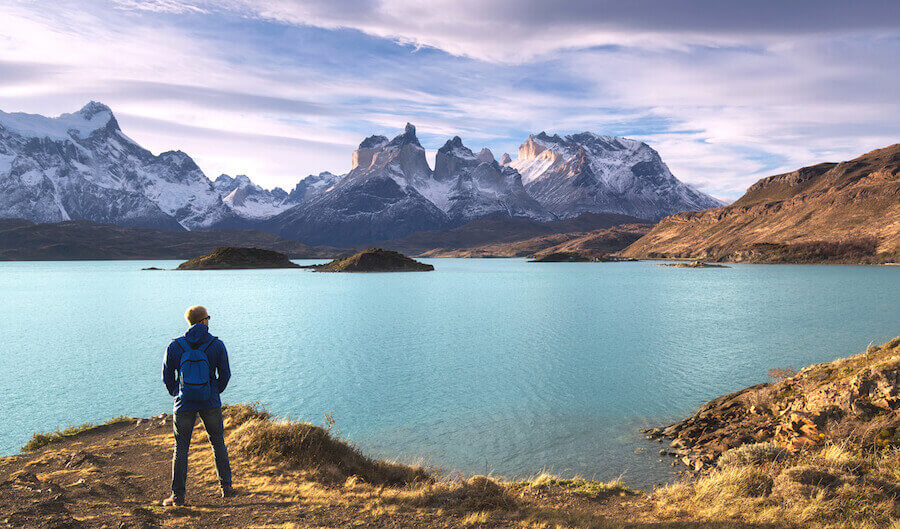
(476, 494)
(580, 486)
(752, 454)
(42, 439)
(316, 449)
(834, 487)
(235, 415)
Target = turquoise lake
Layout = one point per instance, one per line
(485, 365)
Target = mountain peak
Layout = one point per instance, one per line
(505, 159)
(91, 118)
(455, 141)
(486, 156)
(93, 108)
(373, 141)
(408, 137)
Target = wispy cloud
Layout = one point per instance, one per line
(726, 91)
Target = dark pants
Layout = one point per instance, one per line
(215, 432)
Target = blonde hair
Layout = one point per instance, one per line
(195, 314)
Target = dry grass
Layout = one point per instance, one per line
(313, 448)
(831, 488)
(578, 485)
(478, 493)
(41, 439)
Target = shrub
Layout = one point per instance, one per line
(781, 373)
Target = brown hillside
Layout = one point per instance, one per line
(845, 212)
(595, 243)
(22, 240)
(498, 229)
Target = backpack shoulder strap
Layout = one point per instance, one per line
(209, 343)
(182, 343)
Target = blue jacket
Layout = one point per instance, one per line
(219, 372)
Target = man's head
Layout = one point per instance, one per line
(197, 314)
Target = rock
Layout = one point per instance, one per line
(151, 268)
(374, 260)
(567, 257)
(235, 258)
(829, 402)
(694, 264)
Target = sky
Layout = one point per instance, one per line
(727, 92)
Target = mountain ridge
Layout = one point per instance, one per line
(82, 166)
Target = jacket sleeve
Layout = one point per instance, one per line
(168, 371)
(223, 370)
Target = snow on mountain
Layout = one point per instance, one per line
(250, 200)
(588, 172)
(313, 185)
(58, 169)
(76, 125)
(82, 166)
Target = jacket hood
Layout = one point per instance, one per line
(198, 333)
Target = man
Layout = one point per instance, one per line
(196, 392)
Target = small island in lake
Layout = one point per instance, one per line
(238, 258)
(694, 264)
(567, 257)
(374, 260)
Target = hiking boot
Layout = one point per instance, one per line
(228, 492)
(173, 501)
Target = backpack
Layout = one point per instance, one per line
(193, 372)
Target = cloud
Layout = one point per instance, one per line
(520, 30)
(727, 92)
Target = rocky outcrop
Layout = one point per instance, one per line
(237, 258)
(567, 257)
(854, 401)
(826, 213)
(374, 260)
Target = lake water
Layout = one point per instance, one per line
(493, 365)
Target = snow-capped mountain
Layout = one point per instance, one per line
(251, 201)
(378, 199)
(475, 185)
(81, 166)
(392, 192)
(587, 172)
(313, 185)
